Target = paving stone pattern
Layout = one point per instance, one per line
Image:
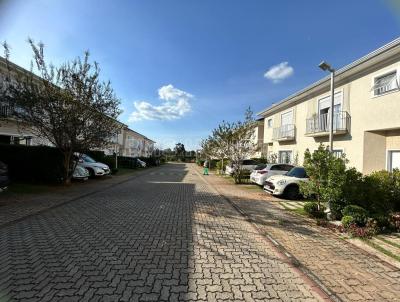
(350, 273)
(164, 236)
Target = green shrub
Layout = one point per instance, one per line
(33, 164)
(378, 193)
(200, 162)
(326, 176)
(311, 208)
(347, 221)
(359, 214)
(221, 166)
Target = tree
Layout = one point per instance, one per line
(243, 143)
(68, 105)
(326, 175)
(180, 150)
(222, 140)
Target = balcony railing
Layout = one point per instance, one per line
(320, 124)
(6, 111)
(284, 133)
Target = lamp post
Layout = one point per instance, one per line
(326, 67)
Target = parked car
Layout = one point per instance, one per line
(288, 184)
(4, 179)
(247, 164)
(141, 163)
(260, 174)
(95, 168)
(80, 173)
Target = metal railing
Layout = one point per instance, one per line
(6, 111)
(321, 123)
(382, 89)
(284, 132)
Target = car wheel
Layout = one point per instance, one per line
(292, 192)
(91, 172)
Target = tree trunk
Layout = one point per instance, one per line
(67, 162)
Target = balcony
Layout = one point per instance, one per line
(284, 133)
(320, 124)
(6, 111)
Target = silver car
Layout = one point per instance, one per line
(263, 171)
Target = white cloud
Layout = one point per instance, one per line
(175, 104)
(278, 73)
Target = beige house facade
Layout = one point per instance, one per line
(136, 144)
(366, 121)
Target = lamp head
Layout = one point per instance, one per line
(325, 66)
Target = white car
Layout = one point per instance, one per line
(286, 185)
(247, 164)
(95, 168)
(80, 173)
(260, 174)
(141, 163)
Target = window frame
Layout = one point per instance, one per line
(279, 156)
(389, 159)
(383, 74)
(341, 150)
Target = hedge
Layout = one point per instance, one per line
(34, 164)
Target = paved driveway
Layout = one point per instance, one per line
(164, 236)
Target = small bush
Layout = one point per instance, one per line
(311, 208)
(359, 214)
(347, 221)
(220, 166)
(370, 229)
(200, 162)
(394, 220)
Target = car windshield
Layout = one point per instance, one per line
(297, 172)
(260, 167)
(88, 159)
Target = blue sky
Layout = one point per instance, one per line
(182, 66)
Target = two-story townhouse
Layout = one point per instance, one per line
(126, 142)
(12, 132)
(366, 123)
(136, 144)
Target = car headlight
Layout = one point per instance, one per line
(281, 182)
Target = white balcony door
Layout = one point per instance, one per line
(286, 121)
(394, 160)
(323, 112)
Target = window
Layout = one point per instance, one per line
(269, 123)
(285, 157)
(393, 160)
(287, 118)
(385, 83)
(297, 172)
(276, 167)
(337, 153)
(249, 162)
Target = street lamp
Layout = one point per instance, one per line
(326, 67)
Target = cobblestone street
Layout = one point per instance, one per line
(163, 236)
